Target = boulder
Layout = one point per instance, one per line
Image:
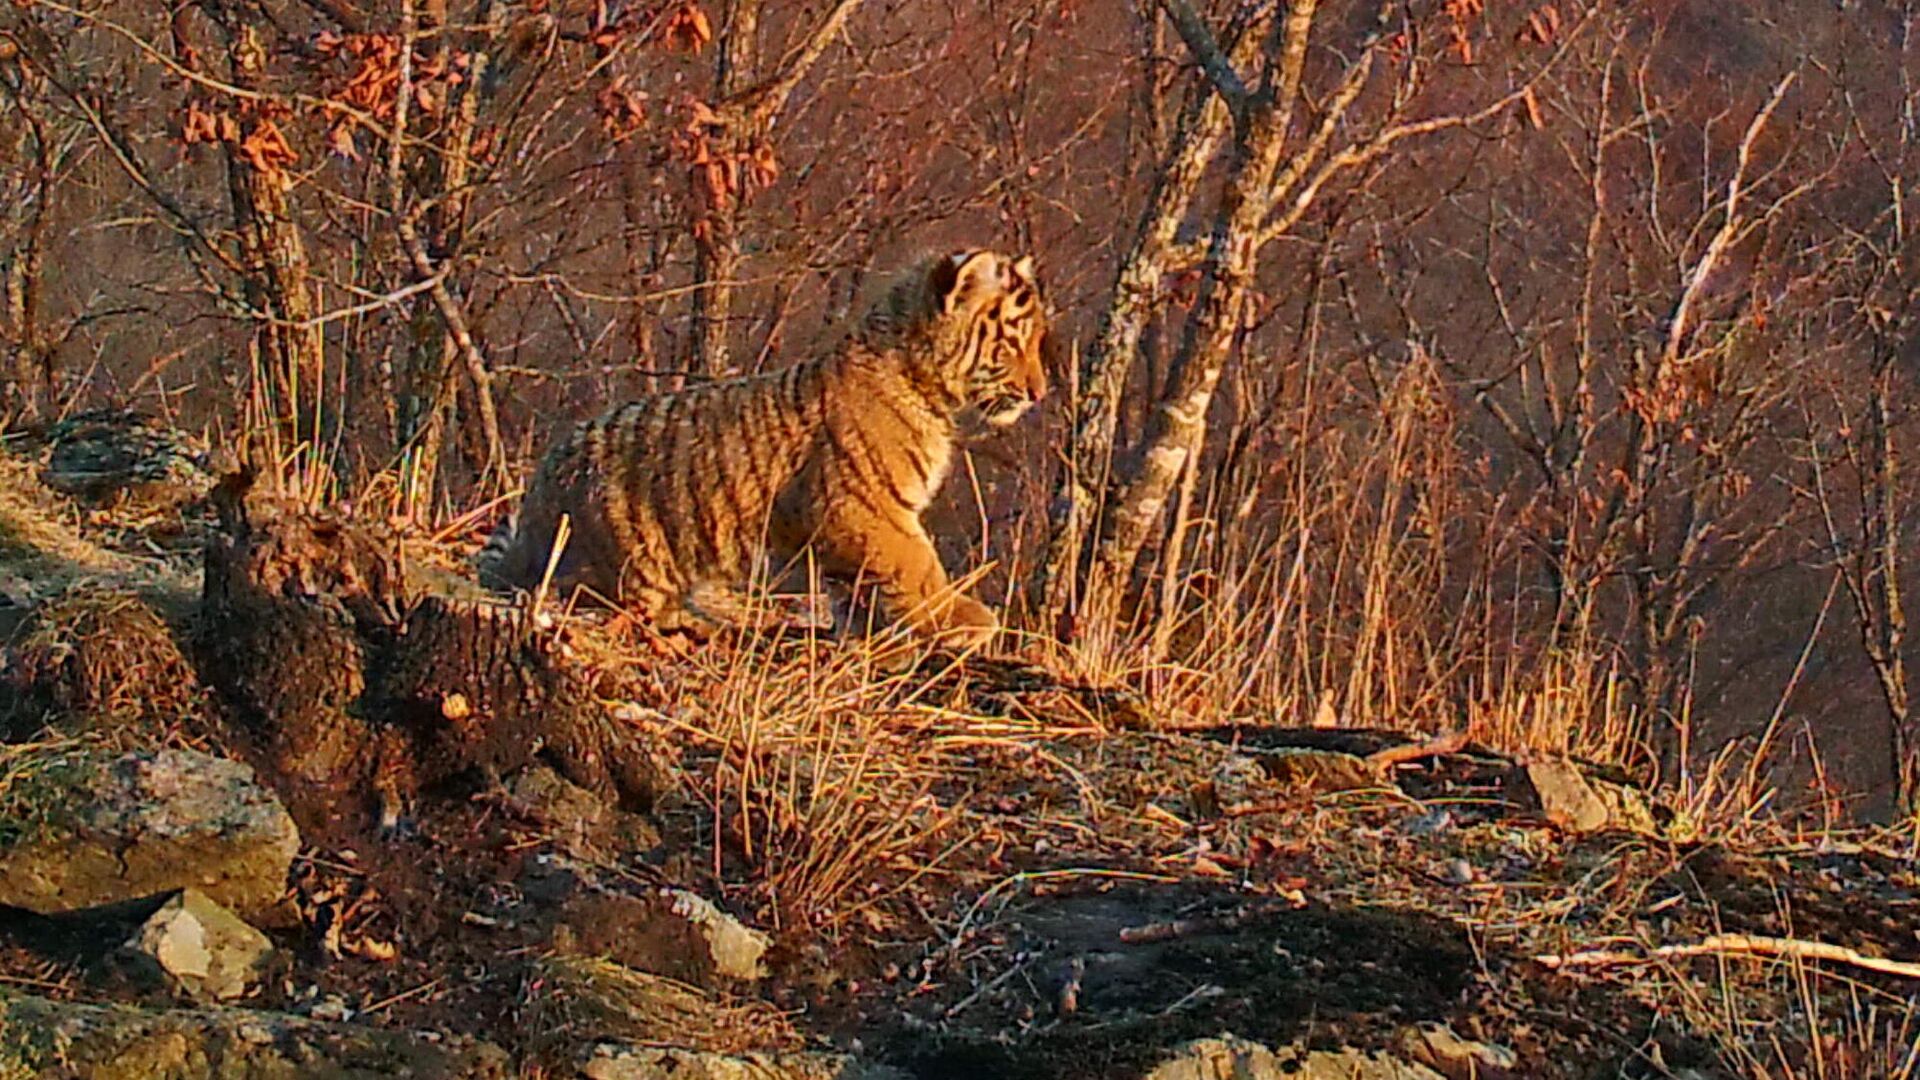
(199, 948)
(1242, 1059)
(1572, 800)
(574, 1004)
(1456, 1057)
(580, 821)
(80, 830)
(733, 948)
(668, 932)
(41, 1037)
(616, 1061)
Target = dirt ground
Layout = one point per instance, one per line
(984, 868)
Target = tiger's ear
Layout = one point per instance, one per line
(943, 278)
(956, 275)
(1023, 269)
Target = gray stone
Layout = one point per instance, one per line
(81, 830)
(1571, 800)
(734, 949)
(1456, 1057)
(1230, 1057)
(619, 1061)
(579, 821)
(200, 948)
(41, 1037)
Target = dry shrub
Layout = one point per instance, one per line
(825, 777)
(98, 655)
(572, 1001)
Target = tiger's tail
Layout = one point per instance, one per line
(490, 562)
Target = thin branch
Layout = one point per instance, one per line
(1729, 226)
(386, 300)
(456, 323)
(764, 102)
(1369, 151)
(1208, 54)
(1736, 945)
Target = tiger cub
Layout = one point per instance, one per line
(836, 456)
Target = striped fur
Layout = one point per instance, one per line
(836, 456)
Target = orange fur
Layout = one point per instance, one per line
(836, 456)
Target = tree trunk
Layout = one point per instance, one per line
(30, 374)
(717, 239)
(1886, 634)
(1136, 296)
(278, 280)
(1173, 429)
(438, 336)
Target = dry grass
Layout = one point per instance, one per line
(98, 655)
(831, 775)
(40, 543)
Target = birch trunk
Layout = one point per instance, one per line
(1153, 256)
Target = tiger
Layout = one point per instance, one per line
(833, 458)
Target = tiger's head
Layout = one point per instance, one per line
(996, 329)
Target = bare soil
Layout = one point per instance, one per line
(976, 869)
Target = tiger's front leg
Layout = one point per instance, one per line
(900, 558)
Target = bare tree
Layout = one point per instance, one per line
(733, 153)
(1273, 177)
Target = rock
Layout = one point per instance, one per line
(734, 949)
(103, 456)
(581, 821)
(577, 1002)
(1429, 823)
(40, 1037)
(79, 830)
(1571, 800)
(1440, 1048)
(201, 948)
(1242, 1059)
(1235, 781)
(669, 932)
(614, 1061)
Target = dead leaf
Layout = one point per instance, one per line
(371, 949)
(266, 149)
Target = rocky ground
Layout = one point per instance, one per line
(281, 796)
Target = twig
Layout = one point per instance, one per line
(403, 995)
(1069, 1000)
(456, 323)
(1736, 945)
(459, 524)
(1682, 319)
(1438, 746)
(1205, 924)
(991, 985)
(562, 532)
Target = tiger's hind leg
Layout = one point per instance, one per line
(661, 601)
